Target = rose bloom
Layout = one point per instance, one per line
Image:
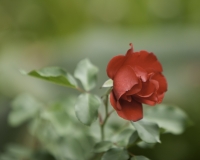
(137, 78)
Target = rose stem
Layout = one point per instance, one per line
(106, 117)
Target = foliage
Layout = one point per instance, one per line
(60, 129)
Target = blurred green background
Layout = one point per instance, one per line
(39, 33)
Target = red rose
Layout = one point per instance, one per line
(137, 79)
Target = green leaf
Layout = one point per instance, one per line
(143, 144)
(86, 72)
(123, 137)
(102, 146)
(133, 138)
(56, 75)
(139, 158)
(86, 108)
(58, 117)
(24, 107)
(171, 118)
(18, 151)
(147, 131)
(115, 154)
(4, 156)
(108, 83)
(70, 148)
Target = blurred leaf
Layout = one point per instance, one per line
(24, 107)
(33, 126)
(102, 146)
(123, 137)
(147, 131)
(57, 115)
(45, 132)
(87, 143)
(86, 108)
(143, 144)
(108, 83)
(139, 158)
(106, 93)
(61, 114)
(56, 75)
(6, 157)
(133, 138)
(86, 72)
(171, 118)
(115, 154)
(71, 148)
(60, 135)
(16, 152)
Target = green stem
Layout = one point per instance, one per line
(102, 133)
(106, 118)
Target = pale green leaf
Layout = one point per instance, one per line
(86, 108)
(58, 117)
(108, 83)
(115, 154)
(133, 138)
(4, 156)
(143, 144)
(122, 138)
(102, 146)
(71, 148)
(56, 75)
(86, 72)
(139, 158)
(24, 107)
(147, 131)
(171, 118)
(18, 150)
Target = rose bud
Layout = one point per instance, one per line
(137, 78)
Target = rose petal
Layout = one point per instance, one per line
(130, 51)
(156, 84)
(116, 105)
(140, 72)
(132, 111)
(152, 100)
(149, 62)
(160, 98)
(148, 88)
(113, 101)
(132, 58)
(135, 89)
(119, 107)
(148, 102)
(114, 65)
(162, 82)
(124, 80)
(126, 97)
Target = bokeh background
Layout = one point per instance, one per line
(39, 33)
